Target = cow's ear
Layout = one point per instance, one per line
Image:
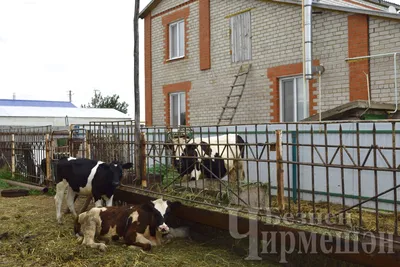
(174, 205)
(127, 165)
(148, 207)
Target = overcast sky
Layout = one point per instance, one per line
(48, 47)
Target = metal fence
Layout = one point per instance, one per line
(331, 168)
(22, 150)
(319, 170)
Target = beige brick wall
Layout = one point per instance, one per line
(276, 40)
(165, 5)
(384, 38)
(174, 72)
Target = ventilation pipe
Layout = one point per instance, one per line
(308, 39)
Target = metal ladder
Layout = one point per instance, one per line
(235, 94)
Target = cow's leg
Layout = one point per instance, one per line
(70, 201)
(195, 174)
(97, 198)
(232, 175)
(58, 198)
(109, 201)
(67, 211)
(89, 232)
(86, 205)
(98, 203)
(238, 171)
(132, 238)
(142, 242)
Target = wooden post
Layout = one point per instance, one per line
(279, 171)
(12, 155)
(84, 147)
(142, 159)
(48, 159)
(138, 156)
(88, 155)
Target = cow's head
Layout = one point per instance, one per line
(184, 154)
(160, 209)
(116, 170)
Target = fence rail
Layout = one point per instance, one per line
(302, 169)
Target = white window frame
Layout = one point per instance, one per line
(179, 94)
(305, 92)
(240, 54)
(177, 41)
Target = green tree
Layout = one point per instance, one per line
(99, 101)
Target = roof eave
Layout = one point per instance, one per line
(358, 11)
(343, 9)
(154, 3)
(150, 6)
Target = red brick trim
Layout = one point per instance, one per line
(173, 8)
(277, 72)
(358, 45)
(148, 90)
(166, 20)
(205, 49)
(176, 87)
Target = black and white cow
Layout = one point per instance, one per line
(44, 173)
(86, 177)
(138, 225)
(214, 157)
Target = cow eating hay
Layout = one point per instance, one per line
(214, 157)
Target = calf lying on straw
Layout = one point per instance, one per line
(140, 225)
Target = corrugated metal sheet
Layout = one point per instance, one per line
(51, 112)
(396, 2)
(35, 103)
(360, 4)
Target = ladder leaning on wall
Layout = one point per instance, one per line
(235, 94)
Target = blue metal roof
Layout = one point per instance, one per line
(36, 103)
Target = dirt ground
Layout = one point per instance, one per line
(30, 236)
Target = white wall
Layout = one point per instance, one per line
(54, 121)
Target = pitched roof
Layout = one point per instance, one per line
(370, 7)
(35, 103)
(62, 112)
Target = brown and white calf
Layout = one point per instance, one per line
(138, 225)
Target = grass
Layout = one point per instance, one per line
(5, 174)
(35, 239)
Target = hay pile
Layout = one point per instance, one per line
(368, 222)
(30, 236)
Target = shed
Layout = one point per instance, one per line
(358, 110)
(35, 103)
(56, 116)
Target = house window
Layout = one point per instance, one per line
(241, 37)
(294, 103)
(178, 109)
(176, 39)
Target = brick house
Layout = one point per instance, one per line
(193, 49)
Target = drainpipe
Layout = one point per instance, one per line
(303, 45)
(395, 81)
(308, 39)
